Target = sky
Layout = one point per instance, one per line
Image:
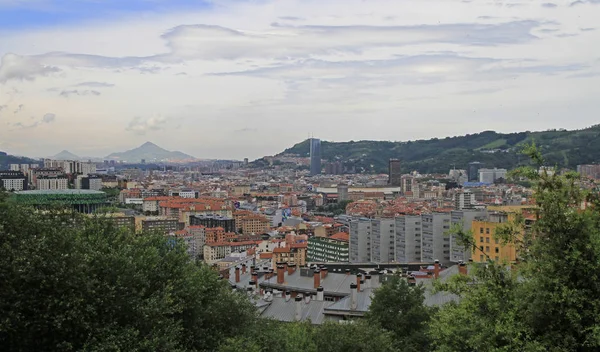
(241, 78)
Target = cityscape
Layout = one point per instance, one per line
(299, 175)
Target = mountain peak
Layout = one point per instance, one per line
(150, 152)
(65, 155)
(148, 144)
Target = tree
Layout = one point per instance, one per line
(549, 301)
(70, 282)
(399, 309)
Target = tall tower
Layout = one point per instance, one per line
(394, 174)
(315, 156)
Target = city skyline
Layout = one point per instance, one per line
(208, 80)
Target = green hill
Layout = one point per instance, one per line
(6, 160)
(559, 147)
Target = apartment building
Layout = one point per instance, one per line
(161, 225)
(489, 247)
(254, 224)
(408, 239)
(435, 243)
(216, 251)
(464, 219)
(328, 249)
(294, 254)
(360, 240)
(382, 240)
(52, 182)
(13, 181)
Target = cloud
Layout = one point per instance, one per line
(19, 109)
(48, 118)
(290, 18)
(581, 2)
(587, 29)
(94, 84)
(142, 126)
(67, 93)
(16, 67)
(549, 5)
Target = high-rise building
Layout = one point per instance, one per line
(408, 239)
(474, 171)
(488, 246)
(382, 240)
(395, 176)
(435, 243)
(342, 191)
(334, 168)
(360, 241)
(315, 156)
(463, 219)
(590, 171)
(52, 182)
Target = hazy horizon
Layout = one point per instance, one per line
(208, 79)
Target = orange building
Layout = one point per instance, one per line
(488, 245)
(294, 254)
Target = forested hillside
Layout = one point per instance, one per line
(559, 147)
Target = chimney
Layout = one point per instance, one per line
(255, 278)
(462, 268)
(244, 268)
(358, 279)
(436, 269)
(252, 269)
(237, 274)
(347, 271)
(368, 281)
(412, 281)
(323, 272)
(298, 308)
(290, 269)
(317, 278)
(307, 298)
(353, 296)
(320, 294)
(287, 295)
(280, 274)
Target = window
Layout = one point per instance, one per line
(497, 250)
(487, 249)
(487, 231)
(487, 240)
(481, 239)
(497, 258)
(481, 230)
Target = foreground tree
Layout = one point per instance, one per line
(70, 283)
(550, 302)
(399, 309)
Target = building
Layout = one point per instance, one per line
(292, 255)
(315, 156)
(394, 173)
(93, 182)
(342, 192)
(39, 172)
(254, 224)
(83, 201)
(217, 251)
(492, 175)
(184, 193)
(464, 200)
(227, 223)
(328, 249)
(360, 240)
(462, 219)
(489, 247)
(123, 222)
(382, 240)
(52, 182)
(589, 171)
(13, 181)
(164, 226)
(473, 171)
(408, 239)
(334, 168)
(435, 242)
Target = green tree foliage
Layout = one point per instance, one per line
(93, 287)
(399, 309)
(551, 302)
(271, 336)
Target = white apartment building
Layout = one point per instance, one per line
(491, 175)
(435, 243)
(15, 167)
(382, 240)
(13, 184)
(52, 183)
(463, 218)
(408, 239)
(360, 241)
(464, 200)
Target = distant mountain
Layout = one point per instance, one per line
(559, 147)
(150, 152)
(65, 155)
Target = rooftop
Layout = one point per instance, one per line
(60, 191)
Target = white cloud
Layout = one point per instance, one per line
(335, 68)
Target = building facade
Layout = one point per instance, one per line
(13, 181)
(435, 242)
(360, 241)
(491, 175)
(394, 173)
(52, 182)
(315, 156)
(328, 249)
(408, 239)
(464, 220)
(488, 246)
(382, 240)
(227, 223)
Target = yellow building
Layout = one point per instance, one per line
(254, 224)
(488, 246)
